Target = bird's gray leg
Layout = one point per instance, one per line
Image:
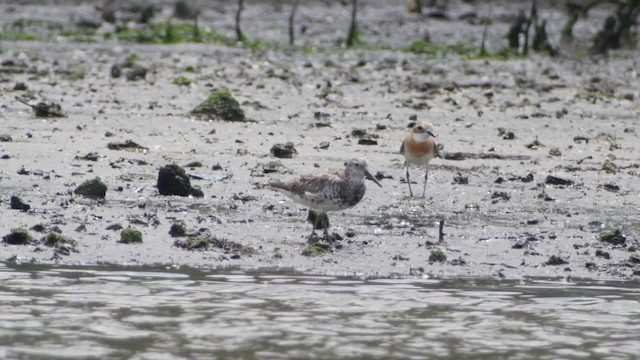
(426, 176)
(409, 181)
(325, 223)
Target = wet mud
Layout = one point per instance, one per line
(538, 174)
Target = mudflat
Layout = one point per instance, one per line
(538, 174)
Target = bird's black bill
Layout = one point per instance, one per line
(430, 133)
(371, 177)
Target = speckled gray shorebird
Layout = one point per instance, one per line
(418, 148)
(330, 191)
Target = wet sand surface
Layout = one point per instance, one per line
(571, 118)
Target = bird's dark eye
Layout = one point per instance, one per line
(419, 128)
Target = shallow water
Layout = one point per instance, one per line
(158, 313)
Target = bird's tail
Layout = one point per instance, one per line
(276, 186)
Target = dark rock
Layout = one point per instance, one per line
(23, 171)
(194, 164)
(220, 105)
(555, 152)
(172, 180)
(603, 254)
(116, 71)
(358, 133)
(94, 189)
(554, 180)
(5, 138)
(455, 156)
(115, 227)
(39, 228)
(535, 144)
(437, 14)
(634, 259)
(324, 145)
(137, 72)
(18, 204)
(458, 262)
(92, 156)
(19, 86)
(578, 139)
(614, 237)
(527, 179)
(178, 230)
(43, 109)
(556, 260)
(611, 187)
(243, 198)
(367, 141)
(18, 237)
(285, 151)
(127, 146)
(501, 195)
(460, 180)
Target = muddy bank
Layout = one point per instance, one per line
(540, 157)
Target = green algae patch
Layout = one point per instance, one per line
(209, 242)
(196, 243)
(18, 236)
(130, 236)
(63, 245)
(17, 36)
(93, 189)
(437, 255)
(169, 33)
(182, 81)
(220, 105)
(314, 250)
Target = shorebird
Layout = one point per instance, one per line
(418, 148)
(330, 191)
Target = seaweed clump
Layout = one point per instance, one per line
(18, 236)
(208, 242)
(62, 244)
(93, 189)
(130, 236)
(220, 105)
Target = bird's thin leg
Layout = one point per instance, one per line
(409, 181)
(426, 176)
(325, 223)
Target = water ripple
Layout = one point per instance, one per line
(80, 313)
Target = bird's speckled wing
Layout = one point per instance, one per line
(310, 184)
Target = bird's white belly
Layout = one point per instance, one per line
(418, 160)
